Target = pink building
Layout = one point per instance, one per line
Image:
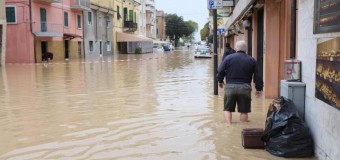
(38, 26)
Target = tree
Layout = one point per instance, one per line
(176, 28)
(205, 31)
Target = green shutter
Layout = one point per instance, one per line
(89, 17)
(130, 15)
(135, 18)
(65, 19)
(10, 14)
(118, 14)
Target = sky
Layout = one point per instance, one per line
(195, 10)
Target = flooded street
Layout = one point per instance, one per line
(124, 107)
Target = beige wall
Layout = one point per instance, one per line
(2, 32)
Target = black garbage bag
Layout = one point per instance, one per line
(286, 134)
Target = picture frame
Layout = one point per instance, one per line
(326, 16)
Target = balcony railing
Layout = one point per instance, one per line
(51, 1)
(44, 29)
(130, 26)
(82, 5)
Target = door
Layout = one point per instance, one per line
(1, 44)
(260, 40)
(66, 45)
(43, 20)
(43, 48)
(250, 36)
(100, 48)
(79, 49)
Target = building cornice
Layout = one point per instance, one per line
(238, 12)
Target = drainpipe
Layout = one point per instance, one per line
(31, 29)
(293, 29)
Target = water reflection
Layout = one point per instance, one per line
(149, 106)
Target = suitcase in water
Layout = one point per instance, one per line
(251, 138)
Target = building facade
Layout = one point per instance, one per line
(142, 18)
(150, 18)
(2, 33)
(160, 30)
(279, 30)
(40, 26)
(125, 31)
(98, 29)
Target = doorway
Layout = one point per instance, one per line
(43, 48)
(79, 49)
(66, 45)
(1, 44)
(260, 40)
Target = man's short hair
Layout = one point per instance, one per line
(241, 46)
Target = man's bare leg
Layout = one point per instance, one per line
(228, 117)
(244, 117)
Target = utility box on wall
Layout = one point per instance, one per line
(294, 91)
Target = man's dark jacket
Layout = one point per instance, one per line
(240, 68)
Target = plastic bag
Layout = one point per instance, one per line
(285, 134)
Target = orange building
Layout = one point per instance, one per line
(160, 20)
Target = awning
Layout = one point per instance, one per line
(71, 36)
(125, 37)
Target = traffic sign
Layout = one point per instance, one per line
(215, 4)
(221, 31)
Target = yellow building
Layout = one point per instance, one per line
(125, 28)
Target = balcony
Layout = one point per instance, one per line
(44, 29)
(150, 22)
(81, 5)
(130, 26)
(51, 1)
(149, 9)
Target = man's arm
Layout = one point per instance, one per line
(221, 71)
(257, 78)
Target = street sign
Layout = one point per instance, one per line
(228, 3)
(222, 31)
(215, 4)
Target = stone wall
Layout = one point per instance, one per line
(322, 119)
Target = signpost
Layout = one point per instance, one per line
(214, 5)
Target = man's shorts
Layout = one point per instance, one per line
(239, 94)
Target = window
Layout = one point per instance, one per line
(157, 30)
(66, 19)
(108, 46)
(11, 15)
(91, 46)
(79, 21)
(89, 18)
(125, 14)
(108, 23)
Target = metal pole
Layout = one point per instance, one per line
(215, 51)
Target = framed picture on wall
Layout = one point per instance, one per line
(326, 16)
(327, 87)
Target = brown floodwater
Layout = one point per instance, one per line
(122, 107)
